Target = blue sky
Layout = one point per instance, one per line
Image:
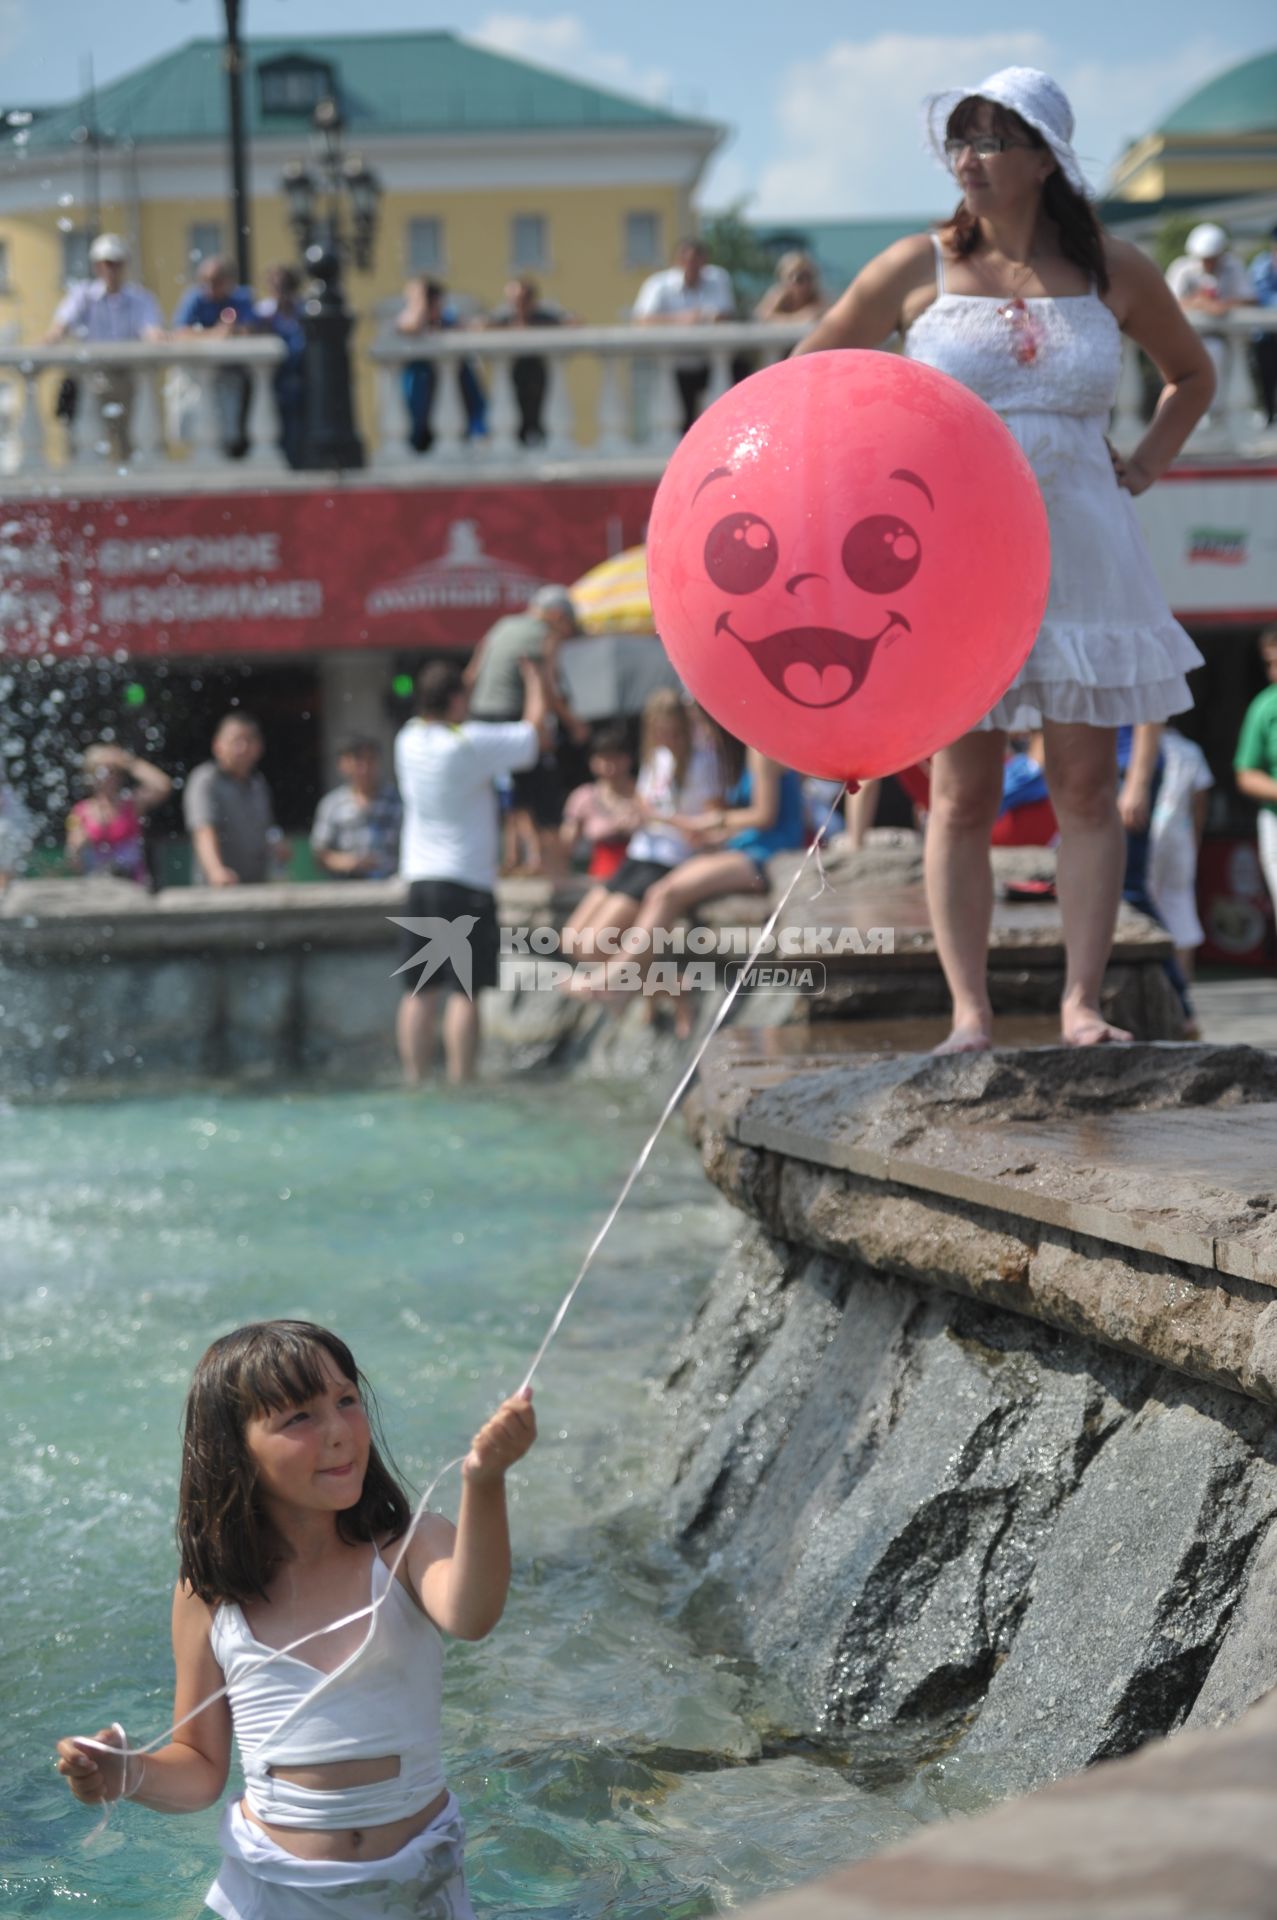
(822, 97)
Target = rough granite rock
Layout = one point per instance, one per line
(936, 1514)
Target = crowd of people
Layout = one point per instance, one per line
(1209, 280)
(690, 817)
(110, 309)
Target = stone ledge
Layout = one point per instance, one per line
(1003, 1178)
(1181, 1831)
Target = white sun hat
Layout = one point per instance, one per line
(1040, 102)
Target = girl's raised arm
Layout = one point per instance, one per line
(462, 1579)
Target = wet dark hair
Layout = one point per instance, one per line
(610, 739)
(1081, 235)
(227, 1547)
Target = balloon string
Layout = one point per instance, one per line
(370, 1612)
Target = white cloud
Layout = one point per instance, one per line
(850, 141)
(851, 138)
(13, 25)
(564, 43)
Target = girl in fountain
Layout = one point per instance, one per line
(104, 831)
(288, 1521)
(1024, 298)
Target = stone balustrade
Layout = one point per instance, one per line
(611, 403)
(175, 424)
(635, 410)
(1233, 425)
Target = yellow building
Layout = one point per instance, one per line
(488, 166)
(1219, 143)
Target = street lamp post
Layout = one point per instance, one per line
(233, 60)
(316, 215)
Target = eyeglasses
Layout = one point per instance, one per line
(1026, 334)
(982, 145)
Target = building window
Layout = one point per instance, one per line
(423, 247)
(75, 255)
(294, 85)
(643, 240)
(203, 241)
(529, 241)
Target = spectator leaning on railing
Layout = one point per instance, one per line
(215, 306)
(690, 293)
(280, 313)
(110, 308)
(1208, 278)
(795, 293)
(426, 310)
(524, 307)
(1263, 293)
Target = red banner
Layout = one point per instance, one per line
(221, 574)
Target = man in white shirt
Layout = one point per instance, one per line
(1208, 278)
(107, 309)
(445, 766)
(690, 293)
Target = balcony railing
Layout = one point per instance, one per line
(611, 402)
(633, 412)
(175, 404)
(1234, 424)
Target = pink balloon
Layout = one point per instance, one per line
(848, 559)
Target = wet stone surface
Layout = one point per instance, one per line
(969, 1473)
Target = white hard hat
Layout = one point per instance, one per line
(1206, 241)
(109, 246)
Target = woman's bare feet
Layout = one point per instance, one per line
(972, 1030)
(1083, 1026)
(965, 1038)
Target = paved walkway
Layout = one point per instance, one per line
(1238, 1009)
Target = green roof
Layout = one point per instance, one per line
(386, 82)
(1242, 100)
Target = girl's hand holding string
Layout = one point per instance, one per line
(94, 1778)
(501, 1440)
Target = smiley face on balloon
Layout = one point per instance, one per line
(787, 626)
(848, 560)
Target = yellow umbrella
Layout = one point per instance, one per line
(612, 597)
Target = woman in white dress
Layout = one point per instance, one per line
(1023, 297)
